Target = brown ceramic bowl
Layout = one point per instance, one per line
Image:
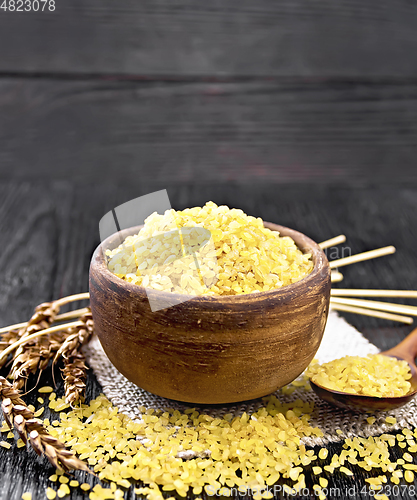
(209, 349)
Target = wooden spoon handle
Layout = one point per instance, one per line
(406, 349)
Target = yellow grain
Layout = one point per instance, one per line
(50, 493)
(237, 254)
(375, 375)
(44, 390)
(346, 471)
(39, 412)
(323, 482)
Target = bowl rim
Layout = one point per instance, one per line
(321, 266)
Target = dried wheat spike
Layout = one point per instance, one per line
(36, 357)
(36, 354)
(74, 372)
(17, 414)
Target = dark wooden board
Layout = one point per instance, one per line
(348, 38)
(123, 132)
(50, 229)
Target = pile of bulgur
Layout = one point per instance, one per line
(235, 253)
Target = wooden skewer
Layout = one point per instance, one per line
(371, 312)
(379, 306)
(352, 292)
(61, 317)
(333, 241)
(372, 254)
(336, 276)
(46, 331)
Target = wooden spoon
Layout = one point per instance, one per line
(406, 350)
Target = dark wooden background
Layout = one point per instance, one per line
(235, 90)
(303, 112)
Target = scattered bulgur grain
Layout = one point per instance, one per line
(100, 433)
(5, 444)
(27, 496)
(371, 420)
(323, 482)
(41, 400)
(63, 491)
(44, 390)
(409, 476)
(346, 471)
(39, 412)
(50, 493)
(85, 486)
(391, 420)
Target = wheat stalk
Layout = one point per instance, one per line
(31, 429)
(75, 375)
(33, 355)
(74, 372)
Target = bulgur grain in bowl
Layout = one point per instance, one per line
(256, 335)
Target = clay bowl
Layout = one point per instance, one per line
(211, 350)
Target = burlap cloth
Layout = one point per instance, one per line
(340, 339)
